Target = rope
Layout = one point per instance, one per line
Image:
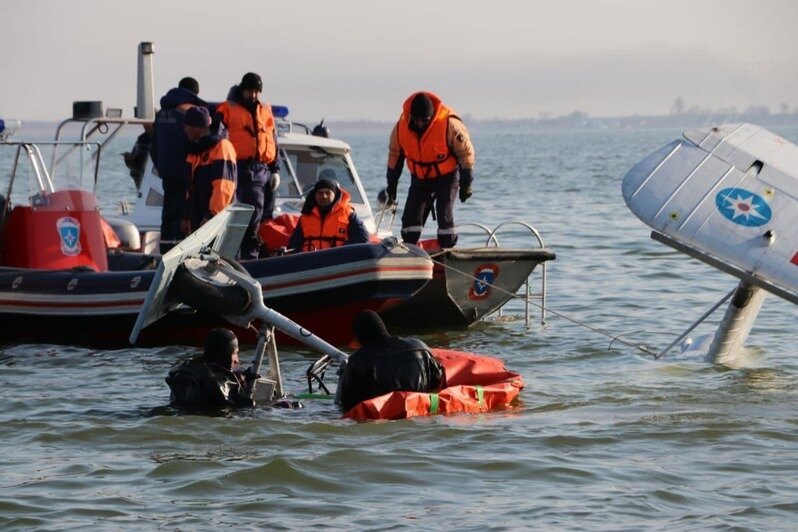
(614, 338)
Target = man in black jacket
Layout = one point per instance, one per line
(208, 381)
(386, 363)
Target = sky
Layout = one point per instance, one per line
(360, 59)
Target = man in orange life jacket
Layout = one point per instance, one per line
(440, 157)
(212, 159)
(327, 219)
(386, 363)
(168, 152)
(253, 134)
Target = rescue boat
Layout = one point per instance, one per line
(469, 282)
(62, 280)
(474, 384)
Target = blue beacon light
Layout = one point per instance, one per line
(279, 111)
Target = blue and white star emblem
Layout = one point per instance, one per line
(69, 233)
(743, 207)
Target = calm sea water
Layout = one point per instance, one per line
(600, 438)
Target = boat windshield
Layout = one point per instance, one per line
(304, 165)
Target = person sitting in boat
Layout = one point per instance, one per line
(327, 220)
(212, 176)
(386, 363)
(440, 157)
(209, 380)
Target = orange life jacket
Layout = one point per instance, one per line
(427, 157)
(474, 384)
(331, 232)
(275, 232)
(212, 185)
(249, 142)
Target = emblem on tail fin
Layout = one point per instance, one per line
(743, 207)
(69, 232)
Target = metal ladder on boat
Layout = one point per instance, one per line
(528, 290)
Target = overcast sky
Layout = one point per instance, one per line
(359, 59)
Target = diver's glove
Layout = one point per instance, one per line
(249, 375)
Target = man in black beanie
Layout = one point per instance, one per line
(386, 363)
(252, 131)
(439, 154)
(190, 84)
(327, 219)
(210, 380)
(168, 152)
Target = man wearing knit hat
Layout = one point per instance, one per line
(250, 124)
(327, 219)
(439, 154)
(168, 152)
(212, 180)
(211, 380)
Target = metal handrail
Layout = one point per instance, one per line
(492, 238)
(88, 129)
(516, 222)
(484, 228)
(43, 176)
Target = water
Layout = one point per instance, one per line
(600, 439)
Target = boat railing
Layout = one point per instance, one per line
(109, 127)
(529, 294)
(39, 172)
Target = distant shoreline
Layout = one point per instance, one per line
(574, 121)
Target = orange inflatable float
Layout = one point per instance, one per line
(474, 384)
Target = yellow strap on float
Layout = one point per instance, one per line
(480, 395)
(433, 403)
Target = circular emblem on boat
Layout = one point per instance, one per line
(743, 207)
(485, 275)
(69, 233)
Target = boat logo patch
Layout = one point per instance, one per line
(69, 232)
(485, 275)
(743, 207)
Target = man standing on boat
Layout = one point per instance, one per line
(440, 157)
(327, 219)
(168, 151)
(212, 178)
(250, 124)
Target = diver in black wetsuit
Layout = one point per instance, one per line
(208, 381)
(386, 363)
